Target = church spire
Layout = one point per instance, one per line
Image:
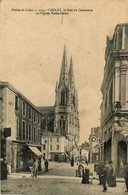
(64, 70)
(71, 75)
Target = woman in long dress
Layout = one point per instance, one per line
(85, 179)
(112, 175)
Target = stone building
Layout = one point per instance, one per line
(114, 107)
(20, 124)
(94, 145)
(62, 119)
(54, 147)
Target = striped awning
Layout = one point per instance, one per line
(36, 151)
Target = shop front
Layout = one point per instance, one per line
(22, 156)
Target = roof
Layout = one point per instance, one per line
(20, 95)
(47, 109)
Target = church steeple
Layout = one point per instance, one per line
(71, 75)
(64, 70)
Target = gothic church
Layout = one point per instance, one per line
(61, 121)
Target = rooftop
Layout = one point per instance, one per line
(20, 95)
(47, 109)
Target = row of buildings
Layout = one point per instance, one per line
(112, 141)
(29, 132)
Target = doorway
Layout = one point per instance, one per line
(122, 153)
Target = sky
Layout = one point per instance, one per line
(32, 46)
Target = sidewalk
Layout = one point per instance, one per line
(56, 166)
(52, 165)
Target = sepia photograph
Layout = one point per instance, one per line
(64, 97)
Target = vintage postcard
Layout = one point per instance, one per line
(63, 97)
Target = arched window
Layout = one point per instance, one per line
(63, 98)
(63, 125)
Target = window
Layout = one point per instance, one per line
(24, 108)
(44, 147)
(29, 113)
(57, 147)
(23, 130)
(110, 95)
(38, 118)
(17, 127)
(50, 139)
(57, 139)
(34, 117)
(63, 98)
(38, 135)
(29, 132)
(26, 132)
(34, 134)
(74, 100)
(63, 125)
(16, 103)
(50, 147)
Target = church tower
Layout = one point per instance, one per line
(66, 121)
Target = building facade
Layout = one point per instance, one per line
(114, 107)
(22, 121)
(94, 145)
(54, 147)
(62, 119)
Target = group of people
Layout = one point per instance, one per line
(36, 165)
(6, 168)
(107, 175)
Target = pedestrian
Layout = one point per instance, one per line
(126, 176)
(35, 168)
(80, 170)
(72, 162)
(100, 173)
(105, 176)
(76, 168)
(4, 170)
(85, 179)
(111, 175)
(9, 168)
(46, 165)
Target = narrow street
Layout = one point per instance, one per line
(60, 180)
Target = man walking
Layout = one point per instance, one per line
(105, 176)
(35, 168)
(46, 165)
(100, 173)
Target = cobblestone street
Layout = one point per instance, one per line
(56, 186)
(60, 180)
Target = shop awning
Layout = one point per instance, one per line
(35, 150)
(66, 154)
